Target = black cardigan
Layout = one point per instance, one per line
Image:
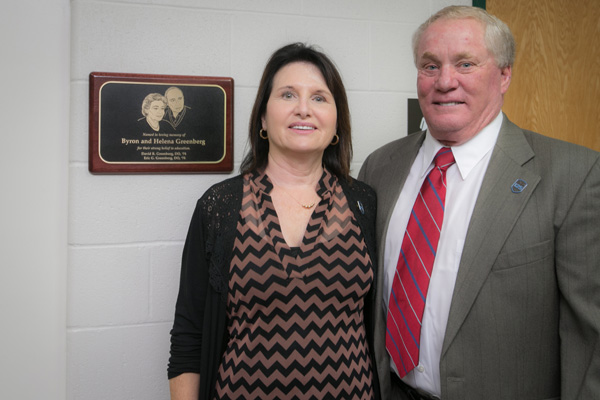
(199, 331)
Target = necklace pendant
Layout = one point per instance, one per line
(308, 206)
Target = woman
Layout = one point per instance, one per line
(153, 110)
(277, 272)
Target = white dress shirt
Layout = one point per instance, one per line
(463, 183)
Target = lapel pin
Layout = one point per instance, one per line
(360, 207)
(518, 186)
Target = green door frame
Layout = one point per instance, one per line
(479, 3)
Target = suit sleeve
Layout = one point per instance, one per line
(362, 174)
(578, 274)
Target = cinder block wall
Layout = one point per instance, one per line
(126, 232)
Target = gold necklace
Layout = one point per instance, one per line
(305, 206)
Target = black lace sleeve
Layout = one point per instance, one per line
(186, 335)
(204, 273)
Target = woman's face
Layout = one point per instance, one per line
(156, 111)
(301, 115)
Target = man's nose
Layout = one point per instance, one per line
(446, 79)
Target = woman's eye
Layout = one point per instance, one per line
(287, 95)
(319, 98)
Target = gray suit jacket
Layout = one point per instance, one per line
(524, 321)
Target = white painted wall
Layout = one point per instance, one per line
(34, 110)
(126, 232)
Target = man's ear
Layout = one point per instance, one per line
(505, 76)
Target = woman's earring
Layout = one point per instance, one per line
(261, 134)
(336, 140)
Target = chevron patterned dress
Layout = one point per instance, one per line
(295, 315)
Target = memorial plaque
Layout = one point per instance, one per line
(160, 123)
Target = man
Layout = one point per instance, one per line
(512, 293)
(177, 109)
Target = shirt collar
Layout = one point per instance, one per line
(467, 155)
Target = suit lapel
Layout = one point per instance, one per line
(388, 180)
(496, 211)
(392, 177)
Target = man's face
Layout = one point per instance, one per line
(460, 88)
(175, 99)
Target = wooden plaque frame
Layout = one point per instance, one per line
(141, 123)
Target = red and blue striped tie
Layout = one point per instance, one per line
(413, 272)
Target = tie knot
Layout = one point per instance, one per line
(444, 158)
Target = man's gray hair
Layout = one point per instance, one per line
(499, 39)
